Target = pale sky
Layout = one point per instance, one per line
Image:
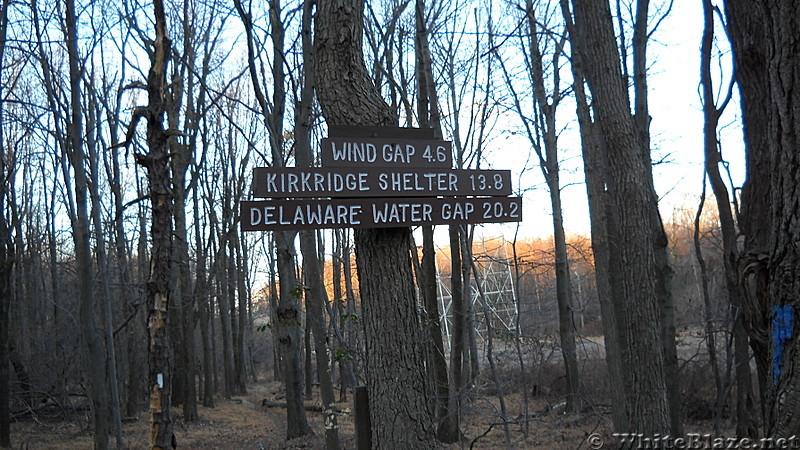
(676, 131)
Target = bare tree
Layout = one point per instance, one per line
(765, 52)
(316, 295)
(630, 198)
(746, 27)
(539, 124)
(398, 408)
(288, 311)
(156, 162)
(6, 242)
(712, 110)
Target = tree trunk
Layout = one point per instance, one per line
(641, 119)
(316, 296)
(747, 31)
(429, 116)
(630, 196)
(287, 320)
(95, 360)
(711, 341)
(6, 267)
(156, 161)
(242, 319)
(745, 426)
(223, 305)
(107, 329)
(288, 317)
(185, 295)
(6, 251)
(783, 399)
(546, 133)
(399, 411)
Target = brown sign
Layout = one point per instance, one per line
(377, 182)
(385, 152)
(269, 215)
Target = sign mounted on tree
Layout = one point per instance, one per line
(370, 181)
(382, 152)
(316, 182)
(270, 215)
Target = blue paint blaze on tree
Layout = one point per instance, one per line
(782, 321)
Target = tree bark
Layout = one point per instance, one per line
(745, 426)
(631, 208)
(316, 296)
(641, 119)
(429, 117)
(606, 275)
(396, 378)
(7, 255)
(95, 360)
(156, 161)
(748, 37)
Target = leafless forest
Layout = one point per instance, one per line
(135, 311)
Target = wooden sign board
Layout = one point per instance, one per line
(386, 152)
(293, 182)
(271, 215)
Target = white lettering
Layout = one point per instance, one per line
(255, 216)
(271, 187)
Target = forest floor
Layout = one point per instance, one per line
(243, 423)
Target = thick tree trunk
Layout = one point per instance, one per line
(396, 379)
(784, 260)
(395, 358)
(747, 32)
(631, 208)
(767, 54)
(607, 284)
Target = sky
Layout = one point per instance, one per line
(676, 133)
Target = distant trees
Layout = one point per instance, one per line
(537, 115)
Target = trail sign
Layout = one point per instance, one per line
(375, 177)
(269, 215)
(293, 182)
(386, 152)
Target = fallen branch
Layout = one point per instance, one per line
(313, 408)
